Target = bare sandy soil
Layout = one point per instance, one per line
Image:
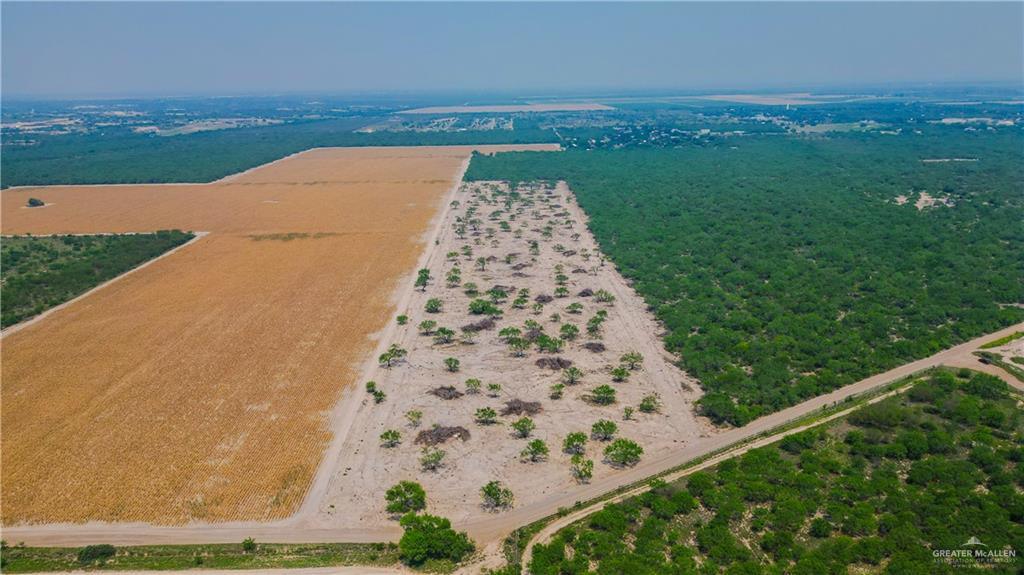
(199, 387)
(364, 469)
(567, 107)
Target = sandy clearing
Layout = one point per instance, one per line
(566, 107)
(198, 387)
(366, 469)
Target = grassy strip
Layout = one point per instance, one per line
(1003, 340)
(22, 559)
(515, 544)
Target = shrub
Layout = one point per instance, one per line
(603, 429)
(535, 450)
(582, 468)
(603, 395)
(632, 360)
(483, 307)
(575, 443)
(390, 438)
(623, 452)
(572, 375)
(650, 403)
(406, 496)
(432, 459)
(451, 364)
(496, 495)
(523, 426)
(433, 305)
(486, 416)
(93, 553)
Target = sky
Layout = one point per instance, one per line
(83, 49)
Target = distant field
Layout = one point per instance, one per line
(199, 387)
(787, 267)
(127, 158)
(582, 107)
(41, 272)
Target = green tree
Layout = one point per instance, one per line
(623, 452)
(523, 426)
(496, 496)
(536, 450)
(428, 537)
(404, 497)
(603, 429)
(575, 443)
(390, 438)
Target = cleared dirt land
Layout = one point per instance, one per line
(199, 388)
(520, 244)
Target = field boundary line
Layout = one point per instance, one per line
(35, 319)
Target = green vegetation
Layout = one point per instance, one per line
(875, 492)
(42, 272)
(127, 158)
(21, 559)
(786, 267)
(406, 496)
(431, 538)
(1003, 340)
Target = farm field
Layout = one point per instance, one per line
(521, 297)
(868, 492)
(199, 388)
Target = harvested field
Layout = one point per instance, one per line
(489, 235)
(200, 387)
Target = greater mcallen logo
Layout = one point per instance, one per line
(974, 552)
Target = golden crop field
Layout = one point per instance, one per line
(199, 387)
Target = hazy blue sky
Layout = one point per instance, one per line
(247, 48)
